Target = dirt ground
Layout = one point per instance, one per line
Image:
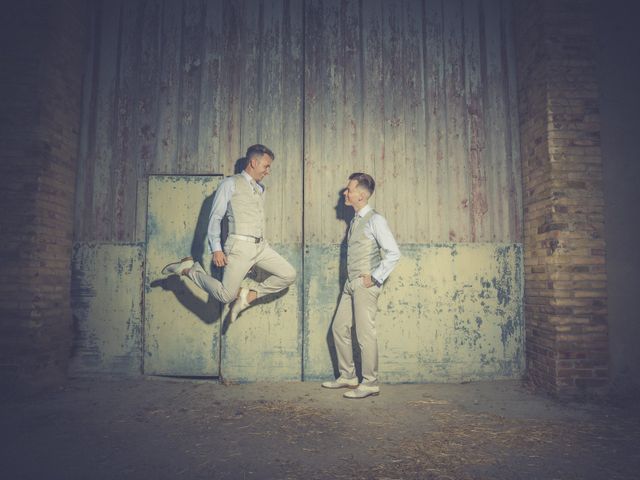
(157, 428)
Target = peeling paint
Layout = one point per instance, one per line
(265, 342)
(443, 316)
(106, 296)
(182, 325)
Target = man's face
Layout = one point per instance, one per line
(352, 194)
(262, 167)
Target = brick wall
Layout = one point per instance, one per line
(565, 277)
(40, 94)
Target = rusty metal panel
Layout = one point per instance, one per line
(265, 342)
(106, 296)
(448, 313)
(182, 325)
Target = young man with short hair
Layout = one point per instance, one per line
(372, 253)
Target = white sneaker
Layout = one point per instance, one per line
(176, 268)
(363, 391)
(239, 305)
(341, 383)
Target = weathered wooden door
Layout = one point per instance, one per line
(182, 327)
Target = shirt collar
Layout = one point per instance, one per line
(364, 210)
(248, 177)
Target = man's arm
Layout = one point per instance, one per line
(391, 253)
(218, 211)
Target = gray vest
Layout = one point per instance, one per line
(246, 209)
(363, 254)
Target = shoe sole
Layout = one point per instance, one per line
(372, 394)
(233, 315)
(352, 387)
(174, 263)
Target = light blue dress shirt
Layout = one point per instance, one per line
(221, 200)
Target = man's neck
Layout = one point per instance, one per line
(358, 208)
(251, 177)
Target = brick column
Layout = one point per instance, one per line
(565, 277)
(40, 94)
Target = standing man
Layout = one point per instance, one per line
(372, 253)
(241, 198)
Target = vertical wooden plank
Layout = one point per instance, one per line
(103, 196)
(269, 108)
(251, 43)
(513, 137)
(372, 31)
(292, 129)
(83, 220)
(124, 174)
(387, 198)
(332, 119)
(169, 94)
(457, 183)
(350, 104)
(495, 127)
(435, 103)
(210, 112)
(233, 61)
(313, 83)
(191, 66)
(415, 174)
(475, 129)
(146, 111)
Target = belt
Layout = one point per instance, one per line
(246, 238)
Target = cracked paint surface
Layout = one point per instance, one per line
(448, 313)
(106, 295)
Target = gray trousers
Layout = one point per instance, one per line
(241, 257)
(360, 303)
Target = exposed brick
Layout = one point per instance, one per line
(565, 266)
(42, 80)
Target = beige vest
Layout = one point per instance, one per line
(246, 209)
(363, 254)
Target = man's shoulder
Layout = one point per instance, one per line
(230, 180)
(376, 216)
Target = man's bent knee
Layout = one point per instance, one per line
(289, 276)
(226, 297)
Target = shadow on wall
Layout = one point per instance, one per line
(210, 311)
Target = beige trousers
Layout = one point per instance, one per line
(241, 257)
(360, 303)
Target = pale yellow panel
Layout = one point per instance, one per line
(182, 325)
(448, 313)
